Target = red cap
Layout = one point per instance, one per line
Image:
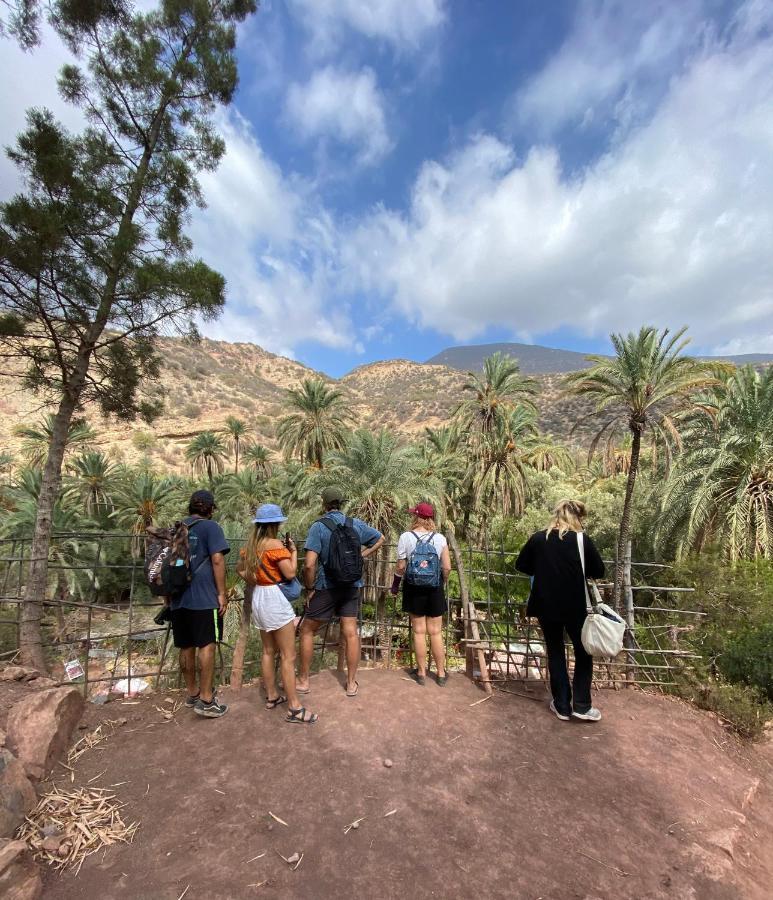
(423, 511)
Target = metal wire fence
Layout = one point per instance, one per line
(99, 630)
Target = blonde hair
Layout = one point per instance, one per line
(567, 516)
(421, 522)
(260, 535)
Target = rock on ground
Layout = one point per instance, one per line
(40, 726)
(19, 876)
(17, 796)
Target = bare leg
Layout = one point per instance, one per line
(309, 628)
(435, 630)
(352, 644)
(188, 669)
(206, 672)
(419, 626)
(267, 664)
(284, 638)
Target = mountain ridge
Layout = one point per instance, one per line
(537, 359)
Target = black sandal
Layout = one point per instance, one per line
(419, 679)
(272, 704)
(298, 717)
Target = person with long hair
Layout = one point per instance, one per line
(554, 558)
(265, 562)
(423, 567)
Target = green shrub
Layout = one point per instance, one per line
(191, 411)
(748, 658)
(740, 706)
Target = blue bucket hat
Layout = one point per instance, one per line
(268, 513)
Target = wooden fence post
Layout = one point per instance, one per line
(471, 625)
(237, 661)
(629, 612)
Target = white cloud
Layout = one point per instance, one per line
(615, 63)
(404, 24)
(29, 80)
(341, 106)
(672, 226)
(277, 249)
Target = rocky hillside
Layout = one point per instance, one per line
(203, 384)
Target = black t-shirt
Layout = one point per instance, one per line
(558, 591)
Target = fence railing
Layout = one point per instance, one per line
(98, 618)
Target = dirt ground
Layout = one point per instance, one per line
(498, 799)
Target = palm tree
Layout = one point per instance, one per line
(6, 463)
(138, 499)
(380, 479)
(259, 458)
(206, 453)
(91, 477)
(644, 389)
(318, 425)
(37, 438)
(240, 494)
(493, 393)
(493, 396)
(236, 429)
(443, 461)
(721, 487)
(71, 547)
(496, 472)
(544, 454)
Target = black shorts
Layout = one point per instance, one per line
(419, 600)
(196, 627)
(342, 600)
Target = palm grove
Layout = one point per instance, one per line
(94, 263)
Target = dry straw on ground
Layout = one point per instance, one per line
(83, 820)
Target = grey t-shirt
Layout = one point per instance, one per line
(205, 537)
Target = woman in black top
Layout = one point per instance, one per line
(558, 601)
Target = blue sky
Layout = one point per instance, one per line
(404, 175)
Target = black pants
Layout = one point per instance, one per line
(559, 675)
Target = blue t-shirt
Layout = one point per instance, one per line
(318, 539)
(204, 538)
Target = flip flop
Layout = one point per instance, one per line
(272, 704)
(355, 691)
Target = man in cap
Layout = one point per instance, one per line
(328, 598)
(197, 616)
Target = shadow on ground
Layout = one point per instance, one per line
(497, 799)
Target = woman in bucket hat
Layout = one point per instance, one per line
(265, 563)
(423, 566)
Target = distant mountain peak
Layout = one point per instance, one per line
(535, 359)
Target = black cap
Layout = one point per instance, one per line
(205, 498)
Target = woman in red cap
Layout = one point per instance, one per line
(423, 566)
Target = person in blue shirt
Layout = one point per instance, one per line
(326, 598)
(197, 615)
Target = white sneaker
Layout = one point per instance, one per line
(593, 715)
(559, 715)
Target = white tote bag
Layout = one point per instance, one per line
(603, 629)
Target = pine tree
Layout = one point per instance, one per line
(93, 256)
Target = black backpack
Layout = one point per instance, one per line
(344, 557)
(168, 561)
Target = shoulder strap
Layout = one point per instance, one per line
(581, 548)
(329, 523)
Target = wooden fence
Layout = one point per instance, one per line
(99, 613)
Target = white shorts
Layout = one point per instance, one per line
(271, 610)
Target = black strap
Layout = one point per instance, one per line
(329, 523)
